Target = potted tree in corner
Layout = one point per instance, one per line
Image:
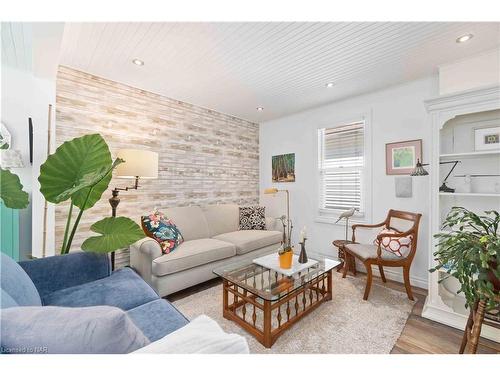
(469, 249)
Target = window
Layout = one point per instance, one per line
(342, 168)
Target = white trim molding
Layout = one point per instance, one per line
(441, 110)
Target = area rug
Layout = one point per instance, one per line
(346, 324)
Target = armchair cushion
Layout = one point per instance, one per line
(63, 330)
(365, 251)
(157, 318)
(17, 287)
(124, 289)
(65, 271)
(399, 246)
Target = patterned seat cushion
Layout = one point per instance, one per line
(252, 218)
(366, 251)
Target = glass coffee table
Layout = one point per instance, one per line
(266, 302)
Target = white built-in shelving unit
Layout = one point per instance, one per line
(453, 119)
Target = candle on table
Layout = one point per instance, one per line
(303, 235)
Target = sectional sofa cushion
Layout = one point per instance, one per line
(60, 272)
(249, 240)
(157, 318)
(191, 254)
(65, 330)
(17, 284)
(124, 289)
(190, 220)
(221, 218)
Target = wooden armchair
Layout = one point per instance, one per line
(371, 254)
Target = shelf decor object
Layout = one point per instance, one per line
(453, 119)
(401, 157)
(303, 255)
(487, 138)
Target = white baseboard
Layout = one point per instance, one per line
(393, 274)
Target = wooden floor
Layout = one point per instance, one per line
(419, 336)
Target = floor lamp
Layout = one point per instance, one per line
(138, 164)
(289, 229)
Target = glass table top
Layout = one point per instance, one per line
(270, 284)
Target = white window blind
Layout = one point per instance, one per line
(341, 167)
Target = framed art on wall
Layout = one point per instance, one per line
(487, 139)
(283, 168)
(401, 157)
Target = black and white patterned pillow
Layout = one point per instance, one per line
(252, 217)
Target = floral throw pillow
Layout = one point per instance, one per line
(163, 230)
(399, 246)
(252, 217)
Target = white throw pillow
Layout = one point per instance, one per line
(399, 246)
(203, 336)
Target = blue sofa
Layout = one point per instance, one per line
(85, 279)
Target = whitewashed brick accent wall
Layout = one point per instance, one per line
(205, 157)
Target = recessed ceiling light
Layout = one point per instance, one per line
(464, 38)
(260, 109)
(138, 62)
(329, 85)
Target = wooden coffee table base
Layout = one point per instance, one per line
(267, 320)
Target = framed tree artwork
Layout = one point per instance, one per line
(401, 157)
(283, 168)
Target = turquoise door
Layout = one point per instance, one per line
(9, 233)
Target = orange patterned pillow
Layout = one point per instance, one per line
(399, 246)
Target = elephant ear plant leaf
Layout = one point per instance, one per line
(116, 233)
(469, 250)
(80, 171)
(11, 190)
(65, 168)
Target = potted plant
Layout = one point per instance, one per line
(79, 171)
(285, 252)
(469, 250)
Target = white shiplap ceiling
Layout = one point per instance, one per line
(235, 67)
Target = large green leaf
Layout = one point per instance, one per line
(89, 180)
(11, 190)
(71, 164)
(117, 233)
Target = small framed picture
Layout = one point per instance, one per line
(487, 139)
(401, 157)
(283, 168)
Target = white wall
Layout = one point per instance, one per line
(474, 72)
(25, 96)
(30, 55)
(395, 114)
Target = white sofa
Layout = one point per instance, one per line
(211, 239)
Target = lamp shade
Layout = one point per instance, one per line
(138, 163)
(270, 191)
(419, 170)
